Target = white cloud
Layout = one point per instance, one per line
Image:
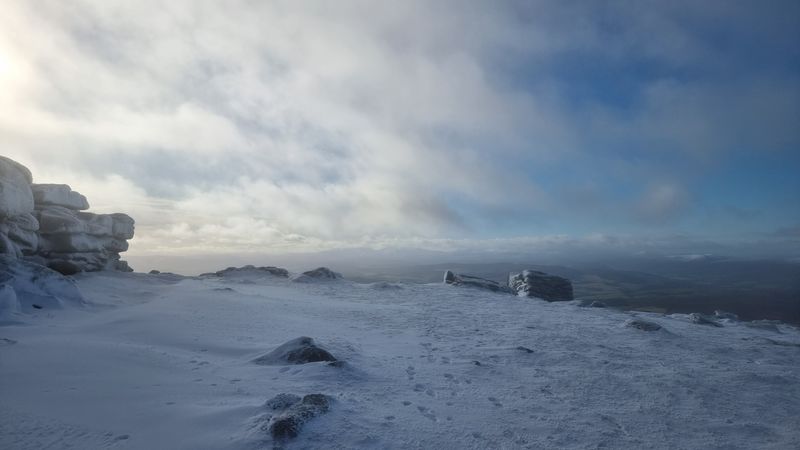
(276, 124)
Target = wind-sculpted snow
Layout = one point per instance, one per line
(46, 224)
(166, 362)
(26, 287)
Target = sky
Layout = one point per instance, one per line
(283, 126)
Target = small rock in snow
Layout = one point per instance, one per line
(288, 423)
(297, 351)
(703, 320)
(641, 324)
(719, 314)
(318, 274)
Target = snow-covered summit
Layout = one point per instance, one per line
(158, 361)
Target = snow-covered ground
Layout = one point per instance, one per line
(160, 362)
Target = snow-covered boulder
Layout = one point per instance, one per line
(17, 226)
(302, 350)
(641, 324)
(702, 319)
(34, 287)
(19, 235)
(469, 281)
(59, 195)
(294, 413)
(16, 196)
(318, 274)
(532, 283)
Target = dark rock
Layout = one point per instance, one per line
(154, 272)
(700, 319)
(282, 401)
(641, 324)
(302, 350)
(318, 274)
(474, 282)
(249, 270)
(532, 283)
(524, 349)
(290, 421)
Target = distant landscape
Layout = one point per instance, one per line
(753, 290)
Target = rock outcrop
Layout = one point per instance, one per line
(18, 226)
(532, 283)
(249, 270)
(294, 412)
(302, 350)
(48, 224)
(457, 279)
(318, 274)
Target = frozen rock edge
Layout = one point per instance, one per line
(528, 283)
(47, 224)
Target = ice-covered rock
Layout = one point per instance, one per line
(701, 319)
(289, 422)
(59, 195)
(532, 283)
(470, 281)
(122, 226)
(302, 350)
(19, 235)
(641, 324)
(724, 315)
(35, 286)
(16, 196)
(318, 274)
(17, 226)
(45, 223)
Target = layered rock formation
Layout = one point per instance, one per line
(532, 283)
(48, 224)
(470, 281)
(529, 283)
(318, 274)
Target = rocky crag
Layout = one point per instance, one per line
(48, 224)
(528, 283)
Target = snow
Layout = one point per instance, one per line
(162, 361)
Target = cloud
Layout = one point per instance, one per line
(317, 124)
(662, 202)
